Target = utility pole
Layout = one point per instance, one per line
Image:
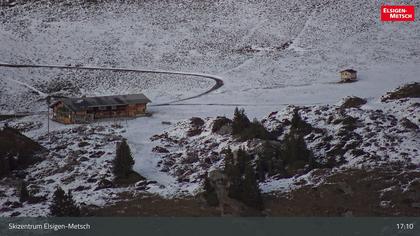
(48, 121)
(48, 118)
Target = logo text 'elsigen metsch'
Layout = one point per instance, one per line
(397, 13)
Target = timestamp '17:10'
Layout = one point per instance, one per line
(405, 226)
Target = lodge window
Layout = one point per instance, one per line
(114, 107)
(102, 108)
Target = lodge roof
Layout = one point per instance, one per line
(348, 70)
(80, 104)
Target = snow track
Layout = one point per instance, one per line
(218, 80)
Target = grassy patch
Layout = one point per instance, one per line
(132, 178)
(153, 205)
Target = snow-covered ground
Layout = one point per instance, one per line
(365, 137)
(204, 37)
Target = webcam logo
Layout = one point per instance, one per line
(397, 13)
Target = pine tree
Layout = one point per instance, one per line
(299, 125)
(123, 161)
(233, 174)
(23, 193)
(72, 209)
(210, 193)
(296, 120)
(295, 152)
(244, 129)
(243, 159)
(58, 203)
(241, 176)
(240, 121)
(269, 161)
(251, 194)
(63, 204)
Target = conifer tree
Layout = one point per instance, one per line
(295, 152)
(123, 161)
(251, 194)
(269, 161)
(244, 129)
(242, 160)
(23, 193)
(240, 121)
(296, 120)
(72, 209)
(63, 204)
(299, 125)
(210, 193)
(241, 176)
(233, 174)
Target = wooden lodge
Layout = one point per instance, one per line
(88, 109)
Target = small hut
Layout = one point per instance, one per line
(348, 75)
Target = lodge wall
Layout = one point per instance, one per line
(63, 115)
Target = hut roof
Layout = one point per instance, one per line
(348, 70)
(80, 104)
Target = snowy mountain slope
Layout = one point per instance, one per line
(207, 36)
(269, 53)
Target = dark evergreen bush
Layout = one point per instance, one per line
(288, 157)
(251, 194)
(243, 185)
(210, 193)
(219, 123)
(122, 165)
(270, 161)
(63, 205)
(299, 125)
(295, 153)
(234, 175)
(240, 121)
(244, 130)
(23, 192)
(254, 130)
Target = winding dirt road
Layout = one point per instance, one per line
(218, 80)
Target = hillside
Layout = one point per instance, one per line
(17, 151)
(295, 48)
(273, 58)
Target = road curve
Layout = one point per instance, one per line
(218, 80)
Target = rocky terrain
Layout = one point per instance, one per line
(374, 142)
(352, 133)
(78, 160)
(349, 140)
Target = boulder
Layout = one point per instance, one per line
(406, 123)
(159, 149)
(353, 102)
(104, 183)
